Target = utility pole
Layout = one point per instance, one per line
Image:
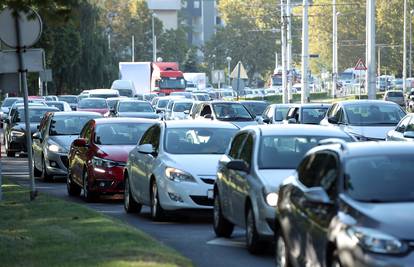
(411, 43)
(404, 76)
(305, 52)
(154, 40)
(133, 48)
(284, 52)
(334, 49)
(289, 50)
(370, 75)
(379, 61)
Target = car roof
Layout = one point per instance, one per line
(40, 107)
(185, 100)
(252, 101)
(366, 101)
(76, 113)
(94, 98)
(297, 129)
(133, 100)
(123, 120)
(312, 105)
(282, 105)
(198, 124)
(67, 95)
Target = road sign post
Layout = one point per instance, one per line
(238, 73)
(360, 66)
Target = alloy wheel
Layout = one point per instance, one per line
(126, 194)
(154, 200)
(281, 260)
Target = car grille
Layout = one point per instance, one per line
(65, 161)
(208, 180)
(202, 200)
(120, 186)
(121, 164)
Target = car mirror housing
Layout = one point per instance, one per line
(333, 120)
(409, 134)
(266, 120)
(238, 165)
(80, 142)
(292, 121)
(37, 136)
(146, 149)
(208, 116)
(259, 119)
(317, 195)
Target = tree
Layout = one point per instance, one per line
(190, 62)
(172, 45)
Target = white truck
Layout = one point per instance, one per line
(137, 72)
(198, 79)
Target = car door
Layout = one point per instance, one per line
(38, 143)
(224, 182)
(240, 181)
(79, 154)
(398, 133)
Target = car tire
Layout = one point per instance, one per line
(74, 190)
(281, 252)
(335, 262)
(253, 242)
(130, 205)
(11, 154)
(87, 195)
(157, 212)
(222, 227)
(45, 176)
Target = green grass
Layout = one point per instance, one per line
(53, 232)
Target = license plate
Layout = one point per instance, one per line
(210, 194)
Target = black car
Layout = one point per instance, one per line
(15, 135)
(348, 205)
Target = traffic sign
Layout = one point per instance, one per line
(33, 60)
(46, 75)
(360, 65)
(218, 76)
(30, 27)
(235, 73)
(241, 85)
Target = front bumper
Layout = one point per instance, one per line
(107, 181)
(17, 144)
(56, 163)
(266, 219)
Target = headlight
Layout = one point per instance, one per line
(271, 199)
(375, 241)
(178, 175)
(16, 133)
(103, 163)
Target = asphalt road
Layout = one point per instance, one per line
(191, 235)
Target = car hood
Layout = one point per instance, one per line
(64, 140)
(115, 152)
(102, 111)
(241, 124)
(200, 164)
(22, 127)
(398, 219)
(374, 132)
(5, 109)
(272, 178)
(179, 115)
(145, 115)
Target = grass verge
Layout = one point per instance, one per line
(54, 232)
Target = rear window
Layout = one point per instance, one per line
(93, 103)
(313, 115)
(395, 94)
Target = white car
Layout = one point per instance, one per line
(174, 165)
(180, 109)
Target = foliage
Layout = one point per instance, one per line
(190, 62)
(172, 46)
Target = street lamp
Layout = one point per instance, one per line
(228, 67)
(410, 55)
(334, 48)
(154, 39)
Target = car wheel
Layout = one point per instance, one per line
(10, 154)
(335, 260)
(87, 195)
(253, 242)
(74, 190)
(130, 205)
(222, 227)
(281, 255)
(45, 176)
(157, 212)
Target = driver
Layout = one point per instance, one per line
(227, 112)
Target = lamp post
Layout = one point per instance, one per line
(228, 68)
(334, 48)
(411, 42)
(154, 40)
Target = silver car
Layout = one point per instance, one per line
(396, 96)
(249, 174)
(404, 130)
(174, 166)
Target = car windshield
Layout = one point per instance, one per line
(162, 103)
(231, 111)
(313, 115)
(92, 104)
(120, 133)
(285, 152)
(125, 92)
(8, 102)
(172, 83)
(372, 114)
(68, 125)
(198, 140)
(135, 107)
(60, 106)
(277, 80)
(112, 103)
(281, 113)
(346, 76)
(181, 107)
(149, 97)
(35, 115)
(203, 97)
(105, 96)
(395, 94)
(68, 99)
(255, 108)
(382, 178)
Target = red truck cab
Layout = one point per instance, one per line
(167, 78)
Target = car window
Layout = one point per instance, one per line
(152, 136)
(339, 115)
(247, 150)
(92, 103)
(68, 125)
(236, 146)
(332, 110)
(402, 126)
(281, 113)
(86, 131)
(313, 115)
(119, 133)
(206, 110)
(134, 107)
(410, 127)
(372, 114)
(231, 111)
(181, 107)
(311, 173)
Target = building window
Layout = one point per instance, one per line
(218, 21)
(196, 4)
(184, 4)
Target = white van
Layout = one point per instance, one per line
(103, 93)
(124, 87)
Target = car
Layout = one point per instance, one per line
(72, 100)
(124, 87)
(161, 103)
(159, 173)
(51, 98)
(61, 105)
(255, 107)
(248, 175)
(276, 113)
(98, 157)
(7, 104)
(15, 135)
(348, 205)
(306, 113)
(178, 109)
(184, 94)
(135, 109)
(200, 96)
(366, 120)
(396, 96)
(94, 105)
(103, 93)
(146, 96)
(404, 131)
(51, 143)
(112, 101)
(397, 84)
(228, 111)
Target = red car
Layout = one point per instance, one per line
(95, 105)
(97, 158)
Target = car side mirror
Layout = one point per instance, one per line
(259, 119)
(266, 120)
(7, 121)
(146, 149)
(292, 121)
(317, 195)
(37, 136)
(186, 112)
(80, 142)
(208, 116)
(333, 120)
(409, 134)
(238, 165)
